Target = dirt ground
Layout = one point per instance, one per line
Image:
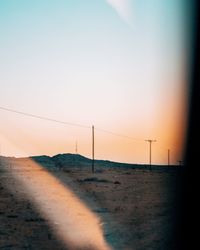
(136, 207)
(139, 204)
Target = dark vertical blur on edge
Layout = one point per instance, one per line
(187, 211)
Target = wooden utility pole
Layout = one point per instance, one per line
(92, 149)
(168, 156)
(150, 142)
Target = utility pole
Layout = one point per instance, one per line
(180, 162)
(92, 149)
(168, 155)
(150, 142)
(76, 148)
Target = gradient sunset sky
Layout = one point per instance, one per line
(119, 65)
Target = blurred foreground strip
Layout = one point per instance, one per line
(73, 223)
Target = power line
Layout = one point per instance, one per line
(67, 123)
(116, 134)
(43, 118)
(79, 125)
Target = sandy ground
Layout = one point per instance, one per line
(21, 226)
(136, 208)
(138, 204)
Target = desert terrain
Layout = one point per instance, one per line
(134, 207)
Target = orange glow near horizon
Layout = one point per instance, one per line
(168, 127)
(50, 139)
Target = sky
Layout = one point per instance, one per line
(120, 65)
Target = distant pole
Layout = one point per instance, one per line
(150, 142)
(76, 149)
(92, 149)
(168, 156)
(180, 163)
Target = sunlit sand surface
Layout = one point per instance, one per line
(71, 221)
